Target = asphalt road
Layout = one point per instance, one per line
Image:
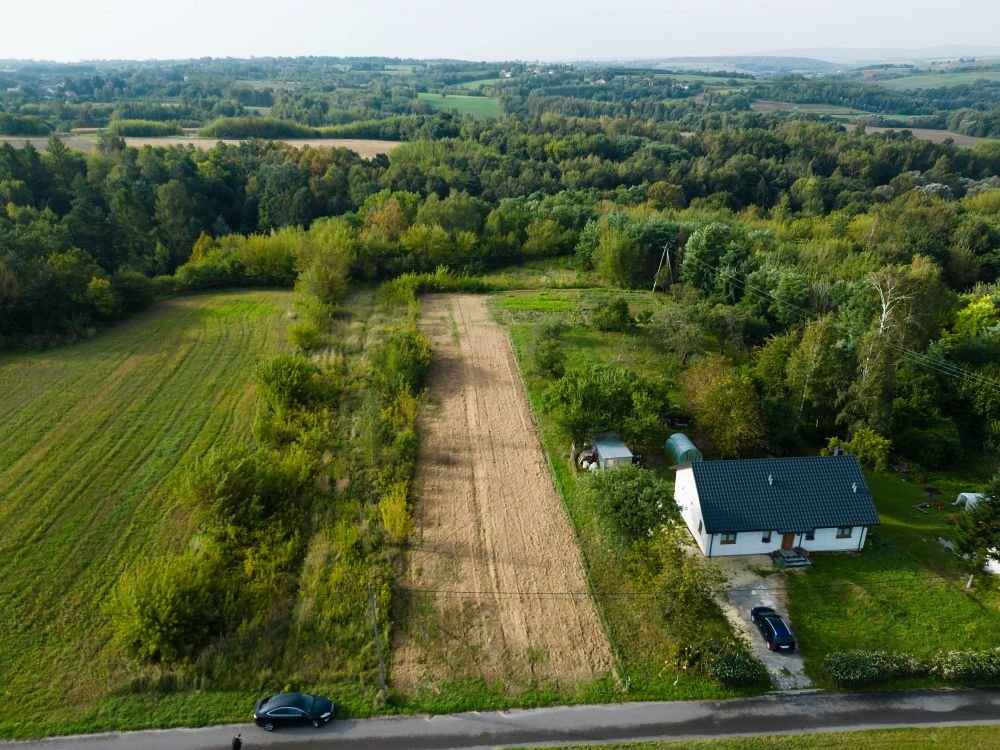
(771, 714)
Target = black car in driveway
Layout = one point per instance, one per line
(774, 629)
(292, 708)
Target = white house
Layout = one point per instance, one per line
(757, 506)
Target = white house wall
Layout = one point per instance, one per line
(751, 542)
(686, 497)
(826, 540)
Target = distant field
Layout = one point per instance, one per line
(94, 442)
(362, 147)
(275, 85)
(938, 80)
(721, 80)
(480, 107)
(476, 85)
(766, 105)
(926, 134)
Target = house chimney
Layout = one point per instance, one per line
(770, 479)
(854, 487)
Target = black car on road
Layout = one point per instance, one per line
(774, 629)
(292, 708)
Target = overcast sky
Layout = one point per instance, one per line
(480, 30)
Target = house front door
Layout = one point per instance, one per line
(787, 540)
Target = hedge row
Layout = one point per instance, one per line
(855, 668)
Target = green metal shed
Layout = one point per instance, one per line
(682, 449)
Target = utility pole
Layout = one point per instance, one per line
(378, 643)
(664, 255)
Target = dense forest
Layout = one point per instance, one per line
(853, 268)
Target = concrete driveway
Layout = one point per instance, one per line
(749, 587)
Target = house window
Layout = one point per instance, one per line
(699, 525)
(766, 537)
(844, 532)
(811, 535)
(729, 537)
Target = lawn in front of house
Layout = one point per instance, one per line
(903, 592)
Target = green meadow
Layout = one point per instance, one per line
(95, 439)
(480, 107)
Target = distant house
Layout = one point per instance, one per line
(758, 506)
(611, 452)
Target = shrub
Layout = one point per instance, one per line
(256, 127)
(857, 667)
(401, 361)
(631, 499)
(305, 335)
(612, 315)
(170, 611)
(871, 448)
(737, 668)
(134, 290)
(968, 665)
(287, 380)
(395, 513)
(404, 288)
(548, 357)
(143, 128)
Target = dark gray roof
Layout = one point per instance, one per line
(807, 492)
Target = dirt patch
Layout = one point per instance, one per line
(750, 586)
(926, 134)
(493, 586)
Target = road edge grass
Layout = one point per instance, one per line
(984, 737)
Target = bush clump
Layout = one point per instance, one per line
(632, 500)
(968, 665)
(737, 669)
(612, 315)
(171, 609)
(858, 667)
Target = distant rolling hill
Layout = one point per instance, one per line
(755, 64)
(866, 56)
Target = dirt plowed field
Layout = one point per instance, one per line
(493, 554)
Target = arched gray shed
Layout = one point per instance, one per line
(682, 449)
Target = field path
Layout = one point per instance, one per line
(493, 586)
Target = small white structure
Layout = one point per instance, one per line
(992, 566)
(611, 452)
(758, 506)
(968, 500)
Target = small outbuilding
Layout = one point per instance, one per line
(760, 506)
(683, 451)
(611, 452)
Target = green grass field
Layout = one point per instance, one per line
(94, 442)
(476, 85)
(480, 107)
(902, 593)
(939, 80)
(923, 738)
